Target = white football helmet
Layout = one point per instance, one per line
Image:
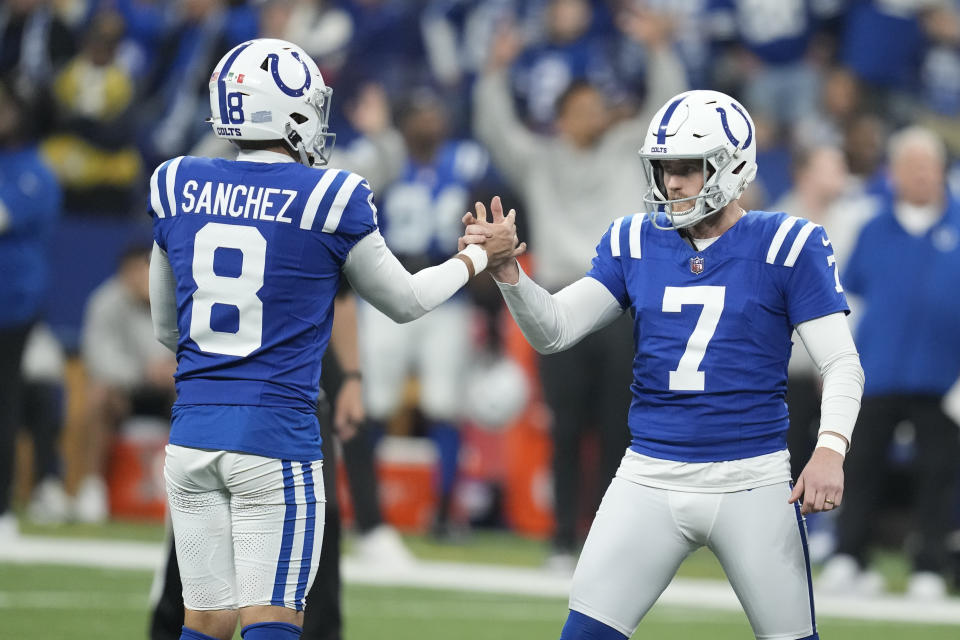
(706, 125)
(269, 89)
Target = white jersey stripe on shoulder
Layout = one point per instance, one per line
(636, 225)
(798, 243)
(171, 185)
(340, 202)
(155, 203)
(615, 238)
(313, 202)
(779, 237)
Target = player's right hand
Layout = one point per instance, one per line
(498, 238)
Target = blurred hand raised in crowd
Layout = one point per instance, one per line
(506, 46)
(499, 239)
(650, 28)
(370, 111)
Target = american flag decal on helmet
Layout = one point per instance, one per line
(696, 265)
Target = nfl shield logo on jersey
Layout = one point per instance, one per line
(696, 265)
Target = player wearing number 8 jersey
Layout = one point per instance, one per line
(715, 293)
(246, 264)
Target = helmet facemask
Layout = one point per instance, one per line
(308, 136)
(718, 169)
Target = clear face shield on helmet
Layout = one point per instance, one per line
(708, 201)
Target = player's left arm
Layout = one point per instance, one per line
(816, 305)
(163, 299)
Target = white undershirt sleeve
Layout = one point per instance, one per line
(831, 347)
(379, 278)
(163, 299)
(552, 323)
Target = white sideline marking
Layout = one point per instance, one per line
(682, 592)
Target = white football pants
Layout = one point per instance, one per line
(641, 535)
(436, 347)
(247, 528)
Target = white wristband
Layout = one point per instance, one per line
(832, 442)
(477, 256)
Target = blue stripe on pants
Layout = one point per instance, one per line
(806, 559)
(286, 544)
(307, 556)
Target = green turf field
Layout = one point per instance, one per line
(53, 603)
(61, 603)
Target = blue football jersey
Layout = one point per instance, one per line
(421, 212)
(256, 249)
(713, 328)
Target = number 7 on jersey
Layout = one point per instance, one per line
(686, 377)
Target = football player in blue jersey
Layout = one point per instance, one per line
(246, 263)
(715, 293)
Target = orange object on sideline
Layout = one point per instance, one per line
(135, 470)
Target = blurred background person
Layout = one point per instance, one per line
(30, 202)
(91, 147)
(175, 98)
(34, 43)
(824, 193)
(903, 269)
(128, 371)
(575, 183)
(43, 413)
(420, 221)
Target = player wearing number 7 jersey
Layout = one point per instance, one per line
(247, 259)
(715, 293)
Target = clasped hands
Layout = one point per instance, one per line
(497, 237)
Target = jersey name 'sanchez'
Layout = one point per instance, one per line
(237, 200)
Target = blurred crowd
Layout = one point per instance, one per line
(442, 102)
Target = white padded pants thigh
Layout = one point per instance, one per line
(247, 528)
(641, 535)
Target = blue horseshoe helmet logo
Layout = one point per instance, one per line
(275, 71)
(726, 126)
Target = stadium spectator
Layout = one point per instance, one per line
(29, 206)
(128, 371)
(420, 221)
(43, 413)
(940, 75)
(34, 44)
(176, 93)
(91, 147)
(903, 268)
(863, 146)
(840, 101)
(883, 44)
(323, 28)
(567, 51)
(782, 80)
(574, 184)
(822, 193)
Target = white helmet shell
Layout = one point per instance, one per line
(706, 125)
(268, 89)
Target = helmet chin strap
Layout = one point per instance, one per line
(296, 141)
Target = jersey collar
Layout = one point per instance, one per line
(261, 155)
